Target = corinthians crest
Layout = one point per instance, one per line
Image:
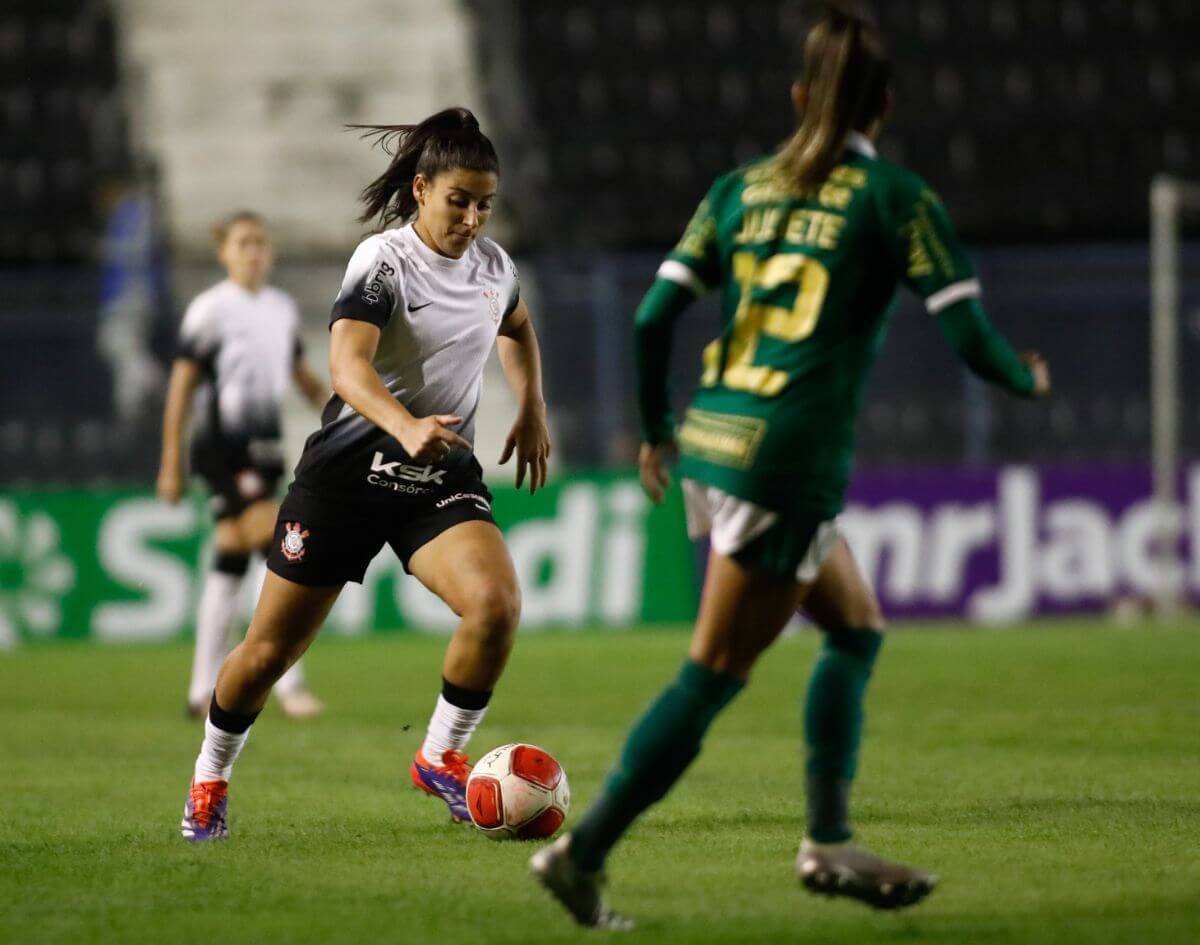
(292, 545)
(493, 298)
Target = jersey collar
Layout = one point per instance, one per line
(860, 143)
(429, 256)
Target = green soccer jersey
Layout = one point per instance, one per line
(806, 281)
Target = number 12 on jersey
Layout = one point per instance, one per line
(755, 318)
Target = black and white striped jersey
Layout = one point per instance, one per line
(247, 344)
(438, 319)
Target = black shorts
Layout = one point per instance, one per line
(235, 476)
(322, 540)
(232, 492)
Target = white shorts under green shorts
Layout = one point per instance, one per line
(740, 529)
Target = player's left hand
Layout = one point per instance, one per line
(530, 439)
(1041, 373)
(654, 462)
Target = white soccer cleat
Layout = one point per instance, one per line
(580, 892)
(843, 869)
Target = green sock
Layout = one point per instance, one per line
(833, 719)
(658, 750)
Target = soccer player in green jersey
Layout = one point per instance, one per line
(806, 247)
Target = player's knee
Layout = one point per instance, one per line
(495, 610)
(232, 543)
(864, 614)
(267, 659)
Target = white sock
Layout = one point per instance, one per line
(449, 728)
(291, 681)
(218, 605)
(218, 753)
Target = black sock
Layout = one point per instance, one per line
(473, 699)
(233, 722)
(233, 563)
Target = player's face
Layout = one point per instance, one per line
(454, 206)
(246, 254)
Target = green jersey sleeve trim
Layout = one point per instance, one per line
(682, 274)
(944, 298)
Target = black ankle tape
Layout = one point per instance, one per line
(233, 722)
(471, 699)
(232, 563)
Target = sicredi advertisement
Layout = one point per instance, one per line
(992, 546)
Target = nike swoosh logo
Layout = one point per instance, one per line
(415, 308)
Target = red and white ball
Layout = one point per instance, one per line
(518, 791)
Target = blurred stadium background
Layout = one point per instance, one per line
(131, 125)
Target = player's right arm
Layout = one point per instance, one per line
(198, 344)
(938, 270)
(362, 309)
(688, 272)
(185, 378)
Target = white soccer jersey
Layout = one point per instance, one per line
(438, 319)
(247, 343)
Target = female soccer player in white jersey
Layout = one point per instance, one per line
(239, 346)
(419, 310)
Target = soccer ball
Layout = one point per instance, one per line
(518, 791)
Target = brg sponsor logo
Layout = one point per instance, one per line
(373, 289)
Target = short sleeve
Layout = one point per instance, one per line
(936, 266)
(370, 287)
(198, 339)
(514, 296)
(694, 262)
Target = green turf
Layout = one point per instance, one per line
(1050, 774)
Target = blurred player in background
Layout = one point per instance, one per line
(420, 308)
(239, 348)
(807, 248)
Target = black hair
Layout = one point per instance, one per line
(450, 139)
(847, 71)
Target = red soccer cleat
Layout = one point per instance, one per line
(205, 813)
(447, 781)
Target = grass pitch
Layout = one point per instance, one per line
(1050, 774)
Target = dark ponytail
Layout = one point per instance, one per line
(846, 70)
(450, 139)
